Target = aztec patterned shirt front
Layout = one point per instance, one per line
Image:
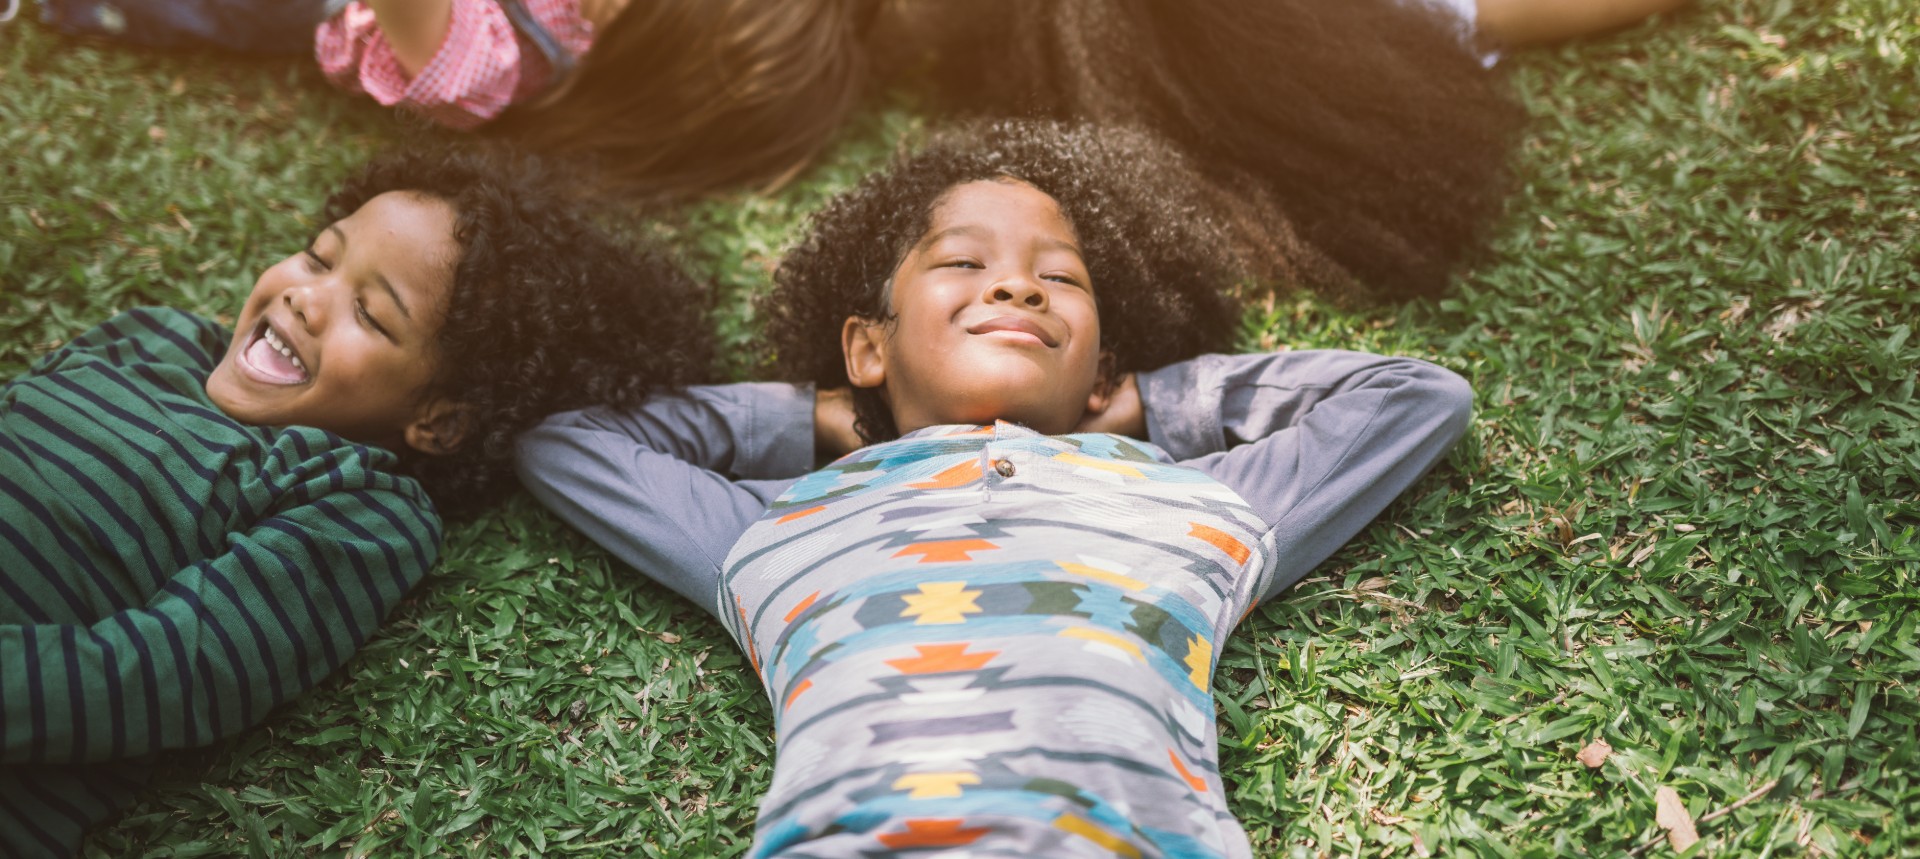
(985, 641)
(984, 635)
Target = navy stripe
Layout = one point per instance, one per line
(108, 505)
(268, 595)
(149, 680)
(190, 727)
(36, 693)
(343, 606)
(115, 352)
(76, 702)
(300, 444)
(162, 467)
(213, 711)
(360, 567)
(102, 584)
(155, 507)
(208, 621)
(430, 528)
(169, 334)
(29, 558)
(189, 460)
(180, 407)
(394, 569)
(116, 697)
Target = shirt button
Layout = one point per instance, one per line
(1004, 467)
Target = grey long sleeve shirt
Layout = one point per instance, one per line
(990, 639)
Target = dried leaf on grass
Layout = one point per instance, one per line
(1595, 754)
(1671, 814)
(1385, 819)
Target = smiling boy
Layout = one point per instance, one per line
(198, 524)
(962, 347)
(992, 629)
(356, 358)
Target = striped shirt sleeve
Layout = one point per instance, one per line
(223, 641)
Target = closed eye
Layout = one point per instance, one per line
(360, 310)
(961, 263)
(314, 263)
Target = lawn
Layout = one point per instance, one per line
(1686, 521)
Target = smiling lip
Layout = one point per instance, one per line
(292, 370)
(1014, 325)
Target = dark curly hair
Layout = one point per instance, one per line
(547, 312)
(1368, 121)
(1162, 254)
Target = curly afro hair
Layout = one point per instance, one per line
(1162, 251)
(1369, 122)
(547, 312)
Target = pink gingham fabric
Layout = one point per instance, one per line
(483, 66)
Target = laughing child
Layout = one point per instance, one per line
(198, 524)
(992, 629)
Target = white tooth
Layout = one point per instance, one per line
(297, 365)
(285, 351)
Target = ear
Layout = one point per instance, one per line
(1104, 384)
(863, 342)
(438, 428)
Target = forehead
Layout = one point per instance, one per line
(406, 218)
(408, 237)
(999, 205)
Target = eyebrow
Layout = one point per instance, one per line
(977, 232)
(379, 279)
(964, 230)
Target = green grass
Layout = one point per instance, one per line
(1687, 520)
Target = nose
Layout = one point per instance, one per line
(1019, 289)
(308, 303)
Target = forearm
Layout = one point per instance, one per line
(415, 29)
(221, 643)
(669, 487)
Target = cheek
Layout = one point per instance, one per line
(1086, 321)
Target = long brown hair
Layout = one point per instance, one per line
(681, 97)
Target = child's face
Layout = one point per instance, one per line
(341, 336)
(995, 318)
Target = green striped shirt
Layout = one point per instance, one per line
(169, 575)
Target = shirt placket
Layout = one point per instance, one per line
(1000, 460)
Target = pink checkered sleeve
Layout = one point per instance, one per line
(470, 80)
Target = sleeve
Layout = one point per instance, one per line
(222, 642)
(669, 487)
(1318, 442)
(469, 81)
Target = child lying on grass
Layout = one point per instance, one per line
(197, 524)
(993, 628)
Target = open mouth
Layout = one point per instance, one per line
(1014, 328)
(270, 359)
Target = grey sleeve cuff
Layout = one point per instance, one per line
(1183, 407)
